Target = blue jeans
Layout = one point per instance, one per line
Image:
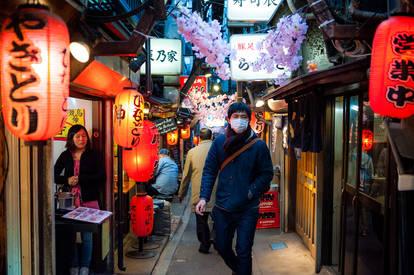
(86, 250)
(227, 223)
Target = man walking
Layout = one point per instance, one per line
(193, 170)
(245, 170)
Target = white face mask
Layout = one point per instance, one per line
(238, 125)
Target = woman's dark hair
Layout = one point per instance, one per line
(239, 107)
(71, 133)
(205, 134)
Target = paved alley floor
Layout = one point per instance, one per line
(185, 259)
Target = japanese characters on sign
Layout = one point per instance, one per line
(251, 10)
(166, 57)
(391, 89)
(75, 116)
(199, 85)
(246, 52)
(34, 73)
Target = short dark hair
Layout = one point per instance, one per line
(71, 133)
(205, 134)
(239, 107)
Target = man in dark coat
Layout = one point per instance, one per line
(241, 182)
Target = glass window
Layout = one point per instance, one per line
(353, 140)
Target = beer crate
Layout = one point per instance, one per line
(269, 201)
(268, 219)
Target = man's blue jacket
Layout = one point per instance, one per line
(250, 172)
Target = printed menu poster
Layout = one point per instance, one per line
(88, 215)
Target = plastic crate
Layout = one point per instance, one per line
(268, 219)
(269, 201)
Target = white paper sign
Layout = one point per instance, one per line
(166, 57)
(247, 51)
(251, 10)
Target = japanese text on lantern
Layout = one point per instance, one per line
(401, 69)
(138, 115)
(24, 54)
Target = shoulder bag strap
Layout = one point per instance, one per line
(238, 152)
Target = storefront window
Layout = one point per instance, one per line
(353, 140)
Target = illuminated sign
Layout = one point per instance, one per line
(246, 52)
(199, 85)
(166, 57)
(251, 10)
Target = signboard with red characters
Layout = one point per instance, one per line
(199, 85)
(391, 84)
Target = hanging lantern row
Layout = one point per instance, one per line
(142, 215)
(34, 73)
(391, 83)
(367, 139)
(141, 161)
(172, 138)
(128, 117)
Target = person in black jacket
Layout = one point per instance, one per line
(80, 171)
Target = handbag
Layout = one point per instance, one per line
(238, 152)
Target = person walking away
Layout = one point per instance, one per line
(83, 172)
(166, 177)
(244, 168)
(193, 170)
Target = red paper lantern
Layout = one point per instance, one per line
(34, 73)
(185, 132)
(128, 117)
(172, 137)
(367, 139)
(256, 124)
(141, 161)
(196, 140)
(142, 215)
(391, 84)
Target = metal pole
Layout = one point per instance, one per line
(239, 92)
(148, 80)
(120, 219)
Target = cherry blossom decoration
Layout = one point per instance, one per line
(211, 111)
(312, 66)
(282, 46)
(207, 40)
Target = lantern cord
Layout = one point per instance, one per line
(105, 19)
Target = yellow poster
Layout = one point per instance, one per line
(75, 116)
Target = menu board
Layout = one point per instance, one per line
(165, 125)
(85, 214)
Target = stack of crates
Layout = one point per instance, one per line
(269, 214)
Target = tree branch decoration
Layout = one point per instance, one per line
(207, 40)
(282, 46)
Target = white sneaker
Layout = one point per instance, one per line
(84, 271)
(74, 271)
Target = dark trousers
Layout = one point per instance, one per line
(151, 191)
(226, 224)
(203, 231)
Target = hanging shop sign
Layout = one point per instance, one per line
(128, 117)
(245, 47)
(166, 57)
(141, 162)
(199, 85)
(142, 215)
(165, 125)
(34, 73)
(251, 10)
(391, 84)
(75, 116)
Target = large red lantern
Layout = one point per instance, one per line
(196, 140)
(391, 84)
(141, 161)
(367, 139)
(34, 73)
(185, 132)
(128, 117)
(256, 124)
(172, 137)
(142, 215)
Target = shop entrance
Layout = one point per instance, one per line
(305, 199)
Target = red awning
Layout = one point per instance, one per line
(99, 80)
